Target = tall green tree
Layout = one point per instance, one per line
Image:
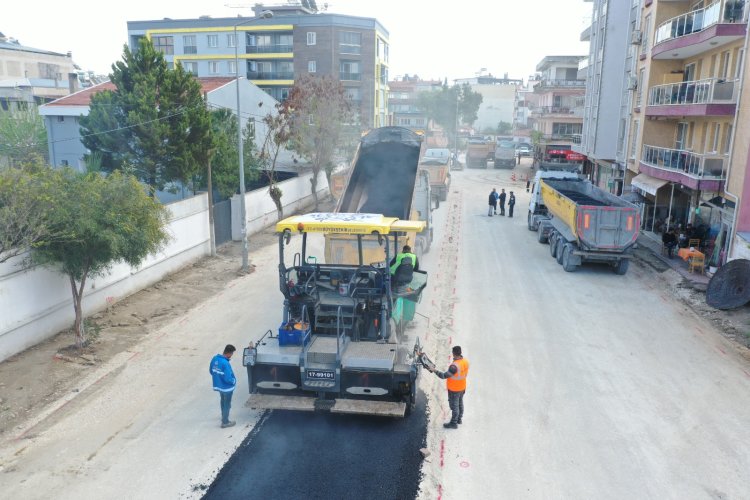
(105, 220)
(503, 128)
(319, 110)
(451, 106)
(155, 123)
(23, 136)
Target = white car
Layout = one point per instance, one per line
(524, 150)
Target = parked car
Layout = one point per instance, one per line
(524, 150)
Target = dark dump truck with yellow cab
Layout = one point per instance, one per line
(341, 345)
(581, 222)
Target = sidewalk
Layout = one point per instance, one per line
(652, 241)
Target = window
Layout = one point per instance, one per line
(64, 163)
(164, 44)
(232, 67)
(190, 67)
(646, 29)
(727, 138)
(311, 38)
(738, 63)
(189, 45)
(634, 138)
(311, 66)
(231, 40)
(349, 70)
(60, 119)
(714, 138)
(724, 65)
(640, 91)
(353, 93)
(350, 42)
(567, 128)
(213, 41)
(213, 67)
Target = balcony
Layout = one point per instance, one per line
(553, 84)
(556, 110)
(698, 31)
(270, 49)
(703, 172)
(352, 77)
(270, 75)
(709, 97)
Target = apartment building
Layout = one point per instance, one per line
(523, 104)
(685, 137)
(498, 99)
(278, 43)
(557, 113)
(403, 96)
(33, 76)
(609, 90)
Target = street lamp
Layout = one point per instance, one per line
(243, 214)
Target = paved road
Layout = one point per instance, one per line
(319, 456)
(586, 384)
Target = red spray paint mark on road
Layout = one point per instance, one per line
(450, 340)
(746, 374)
(721, 350)
(454, 291)
(442, 453)
(440, 492)
(451, 321)
(464, 464)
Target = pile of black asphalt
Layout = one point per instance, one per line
(322, 455)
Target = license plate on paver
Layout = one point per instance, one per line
(321, 375)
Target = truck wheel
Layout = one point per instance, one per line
(540, 236)
(530, 222)
(567, 251)
(621, 267)
(552, 243)
(559, 244)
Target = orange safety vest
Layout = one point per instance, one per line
(457, 382)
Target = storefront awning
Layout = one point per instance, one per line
(647, 183)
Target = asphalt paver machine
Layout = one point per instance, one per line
(342, 344)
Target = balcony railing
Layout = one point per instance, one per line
(270, 75)
(708, 91)
(680, 160)
(562, 137)
(561, 83)
(722, 11)
(554, 110)
(270, 49)
(350, 76)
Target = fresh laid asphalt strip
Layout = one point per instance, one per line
(322, 455)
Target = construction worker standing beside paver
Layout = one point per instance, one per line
(455, 381)
(224, 382)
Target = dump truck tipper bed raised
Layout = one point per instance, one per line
(385, 178)
(583, 223)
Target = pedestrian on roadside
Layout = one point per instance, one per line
(493, 203)
(455, 382)
(511, 204)
(501, 198)
(224, 382)
(528, 184)
(669, 240)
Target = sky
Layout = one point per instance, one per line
(434, 39)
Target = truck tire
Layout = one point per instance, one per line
(566, 258)
(559, 244)
(540, 236)
(552, 243)
(530, 222)
(621, 267)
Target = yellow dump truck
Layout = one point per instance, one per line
(583, 223)
(437, 162)
(385, 178)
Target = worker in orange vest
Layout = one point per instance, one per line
(455, 381)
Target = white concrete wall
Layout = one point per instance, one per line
(36, 303)
(260, 210)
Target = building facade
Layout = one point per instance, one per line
(498, 100)
(277, 44)
(557, 113)
(685, 137)
(403, 96)
(609, 90)
(33, 76)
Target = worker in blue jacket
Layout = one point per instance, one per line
(224, 382)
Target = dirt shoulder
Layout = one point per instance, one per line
(733, 324)
(41, 375)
